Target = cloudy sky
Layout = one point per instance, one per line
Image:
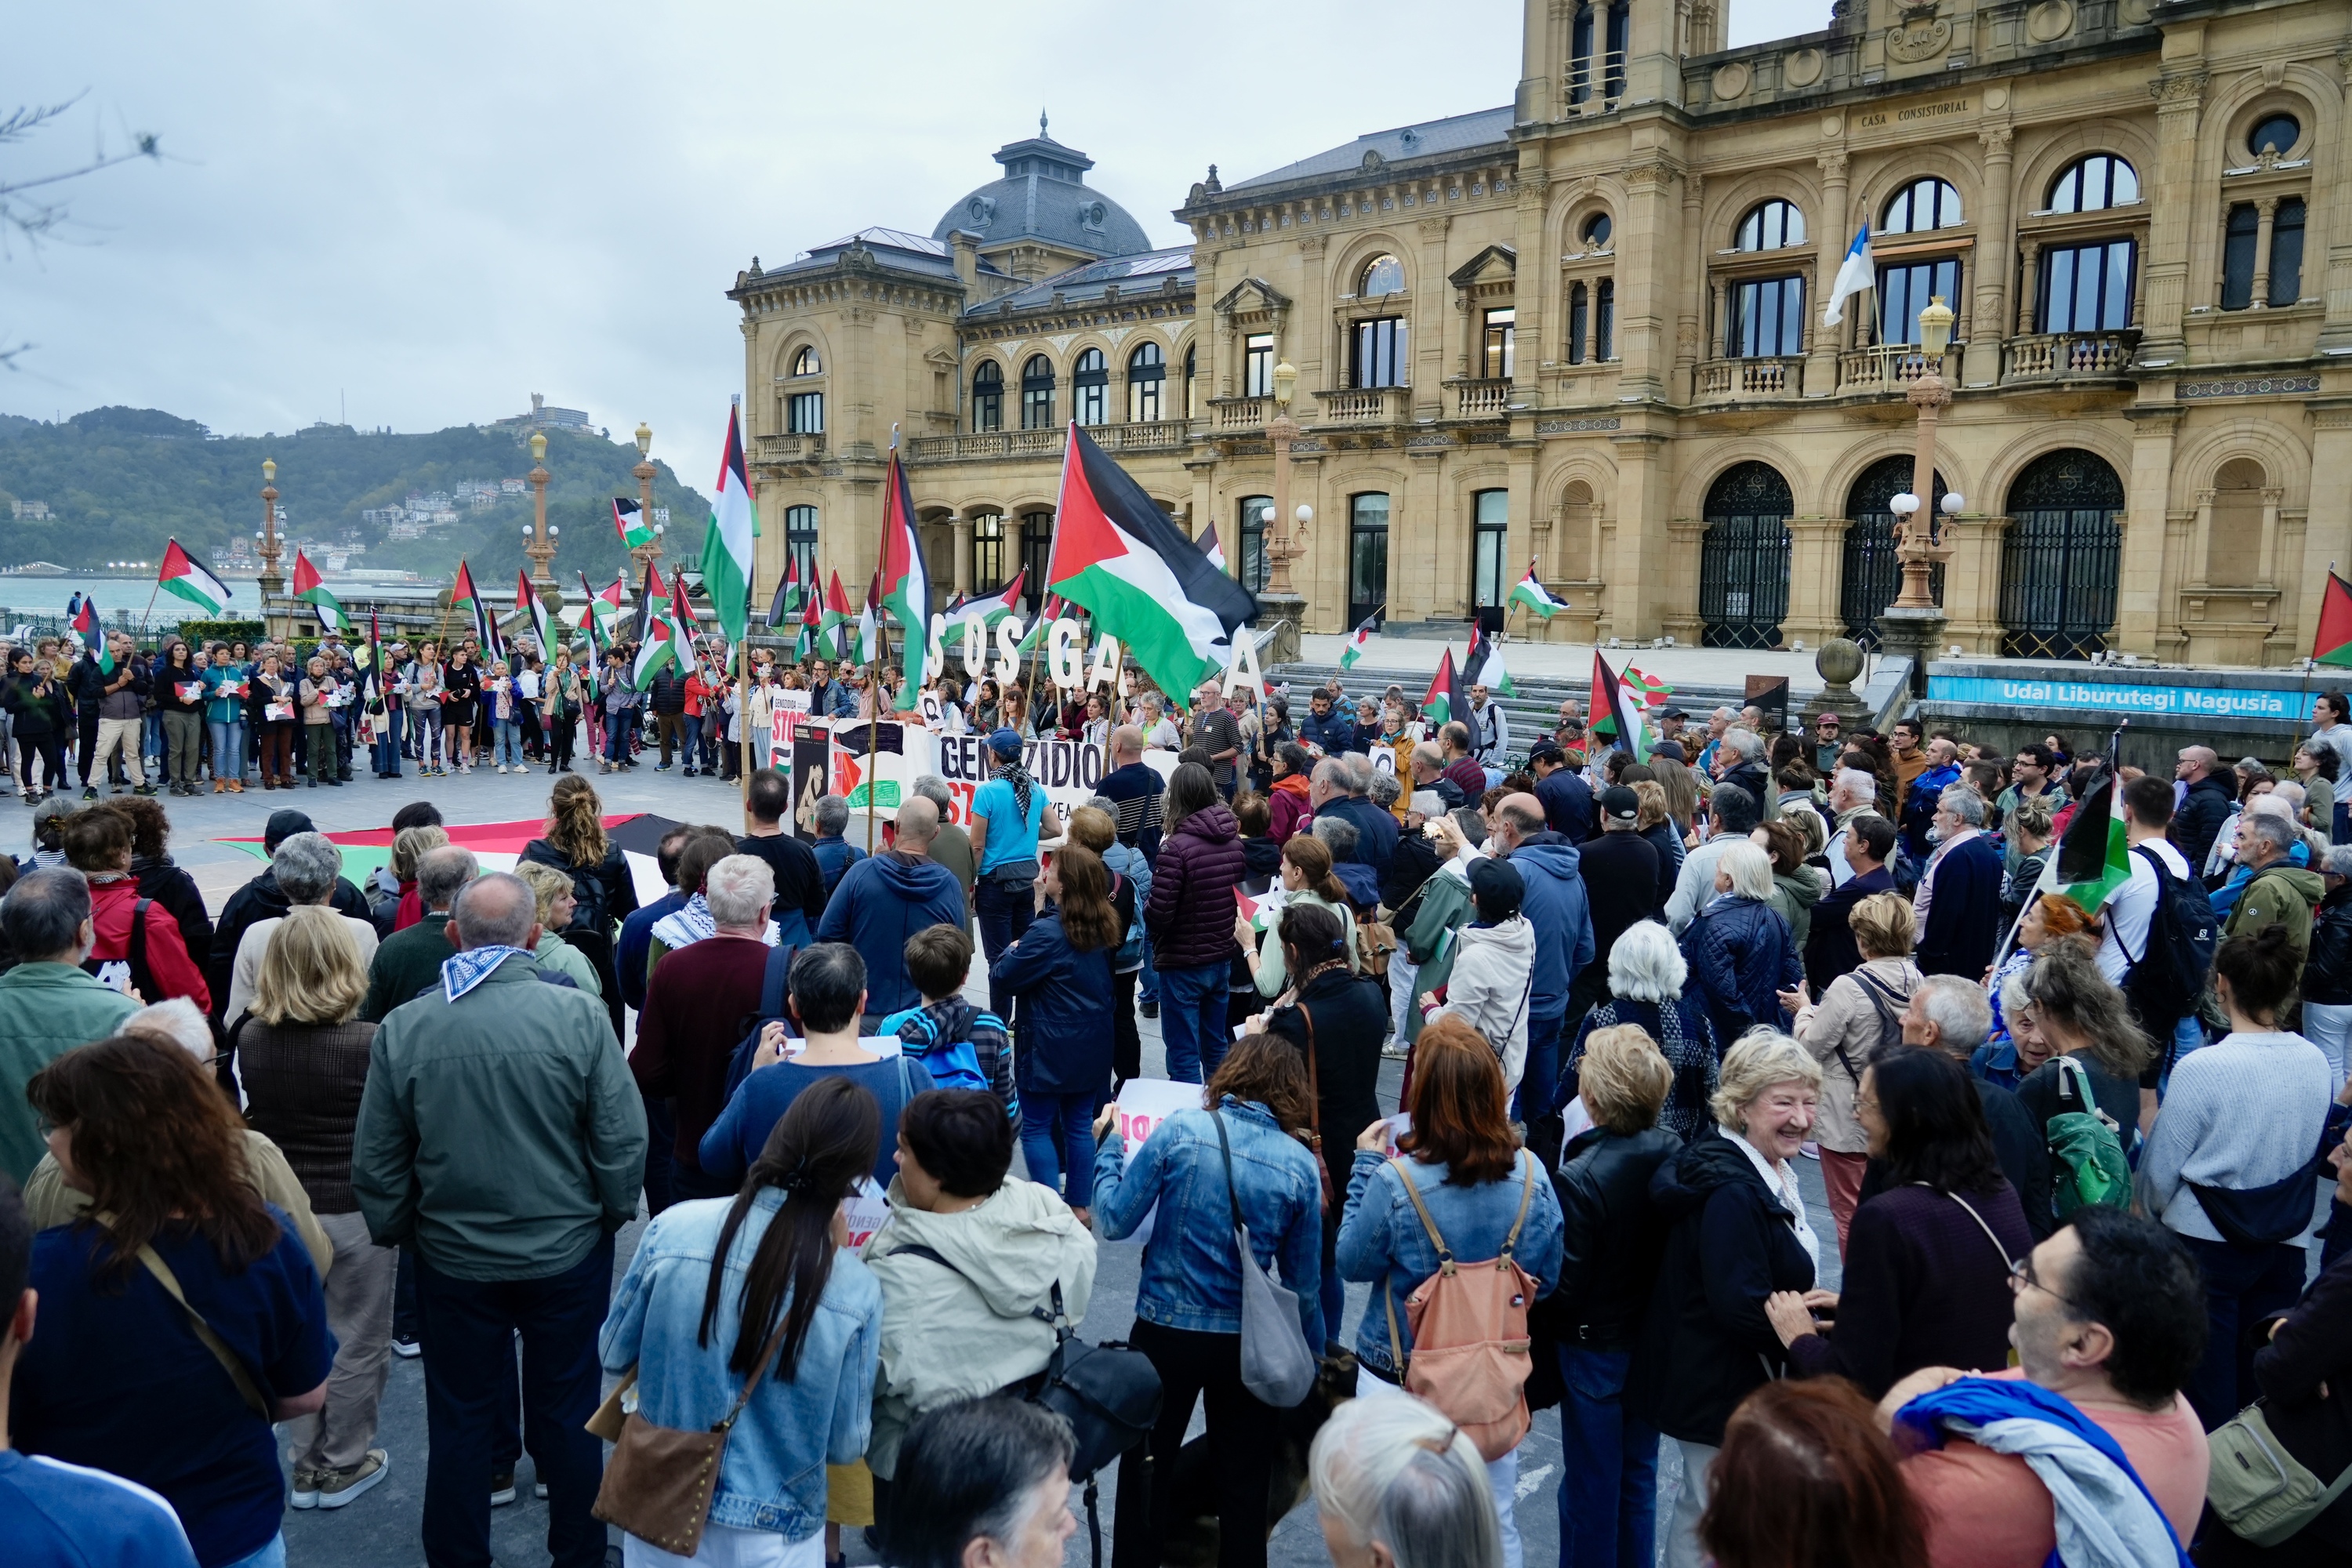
(418, 214)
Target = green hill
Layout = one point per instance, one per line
(119, 482)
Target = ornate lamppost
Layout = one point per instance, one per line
(271, 583)
(1281, 545)
(539, 541)
(1914, 623)
(644, 553)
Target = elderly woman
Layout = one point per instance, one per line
(304, 1058)
(271, 708)
(1742, 954)
(557, 904)
(320, 692)
(2084, 1017)
(1862, 1010)
(2008, 1062)
(1647, 978)
(1396, 1483)
(305, 867)
(1737, 1236)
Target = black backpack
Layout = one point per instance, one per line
(133, 962)
(774, 985)
(2168, 976)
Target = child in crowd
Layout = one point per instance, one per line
(962, 1045)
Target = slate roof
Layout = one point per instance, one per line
(1133, 275)
(1044, 195)
(1483, 128)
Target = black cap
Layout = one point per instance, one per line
(283, 826)
(1619, 804)
(1671, 712)
(1546, 751)
(1497, 888)
(1669, 750)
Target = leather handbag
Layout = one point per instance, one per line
(1277, 1364)
(660, 1482)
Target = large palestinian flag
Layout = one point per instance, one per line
(727, 547)
(192, 580)
(1445, 702)
(2093, 857)
(498, 845)
(1618, 711)
(311, 589)
(1117, 555)
(902, 582)
(2332, 642)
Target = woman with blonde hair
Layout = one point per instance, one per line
(1860, 1011)
(603, 891)
(1397, 1483)
(552, 892)
(302, 1055)
(1680, 786)
(409, 845)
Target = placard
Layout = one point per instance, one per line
(1143, 1104)
(863, 1211)
(808, 776)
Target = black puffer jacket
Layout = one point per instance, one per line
(2198, 821)
(1706, 1343)
(1612, 1240)
(2328, 975)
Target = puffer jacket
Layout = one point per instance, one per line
(1740, 956)
(1190, 915)
(962, 1328)
(1062, 1018)
(2198, 821)
(1492, 980)
(2328, 975)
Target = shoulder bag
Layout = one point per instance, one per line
(1277, 1365)
(247, 1388)
(659, 1484)
(2259, 1491)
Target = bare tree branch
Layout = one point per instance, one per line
(34, 217)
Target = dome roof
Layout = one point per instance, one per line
(1044, 195)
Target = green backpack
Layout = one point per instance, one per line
(2086, 1153)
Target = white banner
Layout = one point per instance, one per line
(1143, 1104)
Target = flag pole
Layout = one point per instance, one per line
(2049, 879)
(874, 721)
(264, 609)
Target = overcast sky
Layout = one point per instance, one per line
(419, 214)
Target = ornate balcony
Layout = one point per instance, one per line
(1751, 379)
(782, 450)
(2064, 356)
(1161, 435)
(1891, 367)
(1365, 405)
(1234, 413)
(985, 443)
(1481, 399)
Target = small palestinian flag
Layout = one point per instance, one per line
(1261, 911)
(192, 580)
(654, 652)
(526, 599)
(1358, 641)
(1485, 667)
(646, 595)
(812, 624)
(2093, 857)
(630, 522)
(1052, 610)
(93, 638)
(728, 550)
(1444, 702)
(989, 608)
(787, 602)
(902, 582)
(599, 644)
(836, 614)
(462, 596)
(1617, 712)
(1210, 548)
(683, 625)
(1535, 596)
(311, 589)
(2332, 642)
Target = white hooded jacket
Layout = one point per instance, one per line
(1490, 986)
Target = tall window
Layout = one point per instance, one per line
(1368, 557)
(1257, 365)
(2286, 252)
(1495, 358)
(2238, 238)
(988, 553)
(2088, 287)
(1037, 394)
(1489, 568)
(2095, 184)
(1147, 370)
(1580, 55)
(800, 542)
(1771, 225)
(1380, 358)
(1191, 364)
(1090, 388)
(1254, 510)
(1768, 318)
(1604, 320)
(1613, 74)
(988, 397)
(1382, 274)
(807, 362)
(1579, 322)
(805, 414)
(1904, 290)
(1921, 206)
(1036, 554)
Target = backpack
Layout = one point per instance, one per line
(952, 1064)
(132, 968)
(2087, 1168)
(2168, 977)
(1470, 1341)
(774, 982)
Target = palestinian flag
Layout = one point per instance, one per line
(1534, 595)
(1263, 911)
(526, 599)
(726, 548)
(590, 622)
(787, 602)
(93, 637)
(646, 590)
(1445, 701)
(812, 624)
(837, 614)
(191, 579)
(1485, 664)
(1358, 641)
(1210, 547)
(2331, 644)
(1049, 612)
(658, 650)
(988, 608)
(630, 522)
(462, 597)
(1117, 555)
(1617, 711)
(683, 624)
(902, 582)
(869, 635)
(311, 589)
(2093, 857)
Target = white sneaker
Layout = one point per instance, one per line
(337, 1487)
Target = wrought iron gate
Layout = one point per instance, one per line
(1872, 575)
(2061, 560)
(1743, 571)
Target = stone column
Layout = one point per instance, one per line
(2139, 584)
(2265, 218)
(2170, 189)
(1981, 364)
(1531, 296)
(1816, 570)
(1831, 241)
(1429, 340)
(1645, 237)
(1642, 601)
(1415, 530)
(960, 533)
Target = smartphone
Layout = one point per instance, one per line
(1433, 827)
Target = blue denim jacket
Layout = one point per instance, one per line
(772, 1477)
(1191, 1275)
(1381, 1238)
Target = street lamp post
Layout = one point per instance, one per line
(271, 583)
(540, 547)
(651, 551)
(1914, 624)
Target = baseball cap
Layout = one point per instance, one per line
(1497, 888)
(283, 826)
(1619, 804)
(1005, 743)
(1669, 750)
(1543, 750)
(1671, 712)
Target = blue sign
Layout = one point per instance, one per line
(2102, 697)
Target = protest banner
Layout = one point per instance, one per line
(863, 1211)
(1143, 1104)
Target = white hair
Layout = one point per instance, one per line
(1750, 869)
(738, 888)
(1747, 742)
(2271, 804)
(1964, 804)
(1644, 965)
(1861, 786)
(1957, 1007)
(1397, 1471)
(176, 1019)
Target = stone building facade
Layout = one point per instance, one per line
(2123, 201)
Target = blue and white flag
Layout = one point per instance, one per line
(1858, 272)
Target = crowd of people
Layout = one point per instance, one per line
(2077, 1144)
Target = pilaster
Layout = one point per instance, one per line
(2146, 491)
(1981, 361)
(1816, 560)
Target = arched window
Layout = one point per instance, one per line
(1036, 554)
(2239, 233)
(1596, 232)
(800, 543)
(1743, 568)
(2275, 133)
(1873, 572)
(806, 362)
(988, 553)
(988, 397)
(2060, 558)
(1921, 206)
(1037, 394)
(1382, 274)
(1146, 369)
(1771, 225)
(2095, 184)
(1090, 388)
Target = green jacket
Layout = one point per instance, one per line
(1444, 909)
(2280, 892)
(46, 1010)
(500, 1134)
(404, 963)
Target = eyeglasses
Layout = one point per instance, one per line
(2020, 1279)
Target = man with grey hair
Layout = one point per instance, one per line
(48, 1003)
(1732, 815)
(889, 897)
(2280, 891)
(411, 960)
(834, 854)
(501, 1138)
(1950, 1014)
(1429, 775)
(1852, 792)
(1717, 722)
(306, 865)
(1740, 761)
(1376, 830)
(695, 1006)
(1957, 905)
(952, 848)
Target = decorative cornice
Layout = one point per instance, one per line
(2248, 386)
(1653, 172)
(2183, 90)
(1568, 426)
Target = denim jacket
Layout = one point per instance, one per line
(1381, 1238)
(772, 1477)
(1191, 1275)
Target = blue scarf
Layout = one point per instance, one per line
(461, 971)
